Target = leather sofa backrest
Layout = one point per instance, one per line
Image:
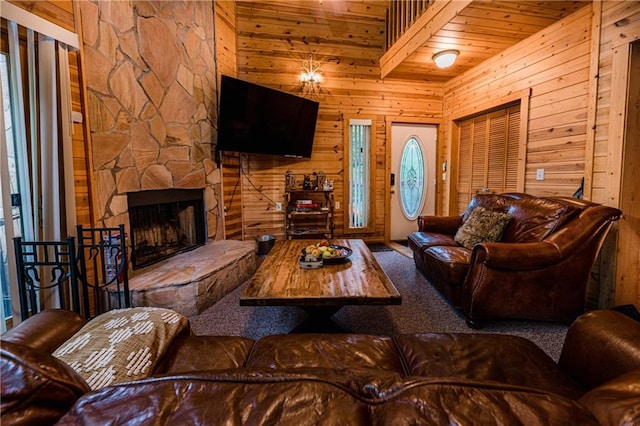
(534, 219)
(497, 202)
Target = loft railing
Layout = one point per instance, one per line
(401, 14)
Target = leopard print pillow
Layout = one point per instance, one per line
(482, 226)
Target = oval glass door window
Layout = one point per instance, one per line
(412, 174)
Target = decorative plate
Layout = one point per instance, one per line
(342, 253)
(309, 261)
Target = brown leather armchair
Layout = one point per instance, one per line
(539, 269)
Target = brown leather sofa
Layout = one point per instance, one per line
(538, 269)
(337, 379)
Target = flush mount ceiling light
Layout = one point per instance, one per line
(446, 58)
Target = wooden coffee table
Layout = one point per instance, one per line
(357, 280)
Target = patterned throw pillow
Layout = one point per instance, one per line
(482, 226)
(121, 345)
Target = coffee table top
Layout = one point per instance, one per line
(358, 280)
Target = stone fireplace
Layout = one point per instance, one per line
(152, 90)
(164, 223)
(152, 102)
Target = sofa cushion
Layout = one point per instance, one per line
(533, 219)
(424, 240)
(482, 226)
(121, 345)
(342, 351)
(447, 268)
(222, 352)
(497, 358)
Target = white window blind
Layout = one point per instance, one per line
(359, 154)
(44, 164)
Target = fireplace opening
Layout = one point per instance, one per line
(164, 223)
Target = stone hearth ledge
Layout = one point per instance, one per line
(192, 281)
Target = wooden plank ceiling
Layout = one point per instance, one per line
(479, 29)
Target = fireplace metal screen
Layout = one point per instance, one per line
(164, 223)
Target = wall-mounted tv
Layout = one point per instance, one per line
(261, 120)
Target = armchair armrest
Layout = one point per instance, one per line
(601, 345)
(616, 402)
(447, 225)
(517, 256)
(46, 330)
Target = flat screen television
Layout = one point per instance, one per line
(261, 120)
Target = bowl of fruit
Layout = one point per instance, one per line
(316, 255)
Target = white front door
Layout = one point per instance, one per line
(413, 166)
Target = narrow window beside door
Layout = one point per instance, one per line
(358, 148)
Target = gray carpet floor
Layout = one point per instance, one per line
(423, 310)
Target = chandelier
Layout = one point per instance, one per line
(310, 77)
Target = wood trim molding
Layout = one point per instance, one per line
(617, 117)
(452, 169)
(524, 138)
(592, 107)
(627, 288)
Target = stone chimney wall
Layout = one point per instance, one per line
(150, 71)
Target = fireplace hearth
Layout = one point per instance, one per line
(164, 223)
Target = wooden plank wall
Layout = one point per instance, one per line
(225, 23)
(274, 37)
(82, 178)
(226, 58)
(620, 26)
(61, 12)
(554, 64)
(232, 196)
(610, 35)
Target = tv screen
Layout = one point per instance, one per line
(261, 120)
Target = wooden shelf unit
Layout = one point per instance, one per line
(314, 221)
